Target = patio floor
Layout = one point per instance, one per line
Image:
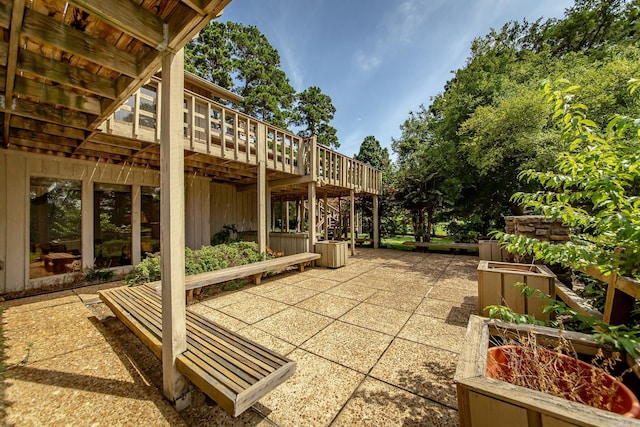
(376, 343)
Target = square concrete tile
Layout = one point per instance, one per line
(217, 316)
(419, 368)
(225, 299)
(294, 277)
(47, 332)
(381, 319)
(290, 294)
(434, 332)
(398, 301)
(314, 395)
(317, 284)
(267, 340)
(378, 404)
(328, 305)
(253, 308)
(349, 345)
(408, 286)
(455, 295)
(352, 290)
(264, 288)
(38, 302)
(294, 325)
(90, 386)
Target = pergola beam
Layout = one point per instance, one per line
(130, 18)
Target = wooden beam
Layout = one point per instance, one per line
(45, 113)
(49, 31)
(65, 74)
(305, 179)
(4, 53)
(311, 194)
(5, 14)
(130, 18)
(352, 225)
(56, 95)
(17, 15)
(46, 128)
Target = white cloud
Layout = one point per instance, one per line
(367, 61)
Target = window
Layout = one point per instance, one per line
(112, 225)
(55, 226)
(150, 220)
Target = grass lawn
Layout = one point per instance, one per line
(395, 242)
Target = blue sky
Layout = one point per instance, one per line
(376, 59)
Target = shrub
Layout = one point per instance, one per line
(207, 258)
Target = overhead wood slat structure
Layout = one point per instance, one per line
(72, 64)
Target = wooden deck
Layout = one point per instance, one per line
(454, 247)
(234, 371)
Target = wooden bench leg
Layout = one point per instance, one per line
(190, 296)
(257, 278)
(301, 266)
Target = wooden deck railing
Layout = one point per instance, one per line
(214, 129)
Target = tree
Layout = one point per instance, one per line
(594, 189)
(240, 58)
(313, 112)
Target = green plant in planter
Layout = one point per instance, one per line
(594, 188)
(614, 337)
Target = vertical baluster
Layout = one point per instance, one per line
(248, 145)
(136, 114)
(192, 121)
(223, 133)
(158, 111)
(235, 136)
(207, 132)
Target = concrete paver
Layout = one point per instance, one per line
(375, 343)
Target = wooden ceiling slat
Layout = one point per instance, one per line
(47, 128)
(128, 18)
(46, 113)
(57, 95)
(48, 31)
(5, 14)
(64, 74)
(4, 52)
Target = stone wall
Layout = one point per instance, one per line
(537, 227)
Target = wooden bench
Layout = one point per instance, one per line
(234, 371)
(254, 270)
(439, 245)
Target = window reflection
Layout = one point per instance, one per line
(55, 226)
(112, 225)
(150, 220)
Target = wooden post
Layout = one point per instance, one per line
(326, 217)
(299, 214)
(376, 222)
(136, 226)
(174, 334)
(261, 147)
(312, 215)
(286, 216)
(352, 228)
(87, 223)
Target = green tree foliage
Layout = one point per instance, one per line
(240, 58)
(594, 188)
(491, 123)
(313, 112)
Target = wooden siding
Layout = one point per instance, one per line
(198, 204)
(3, 221)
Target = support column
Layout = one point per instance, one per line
(312, 215)
(136, 211)
(376, 223)
(270, 217)
(326, 217)
(87, 224)
(286, 216)
(261, 146)
(352, 225)
(172, 216)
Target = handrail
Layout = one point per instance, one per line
(214, 129)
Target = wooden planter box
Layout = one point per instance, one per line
(489, 250)
(487, 402)
(495, 286)
(333, 253)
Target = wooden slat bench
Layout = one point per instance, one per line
(254, 270)
(234, 371)
(441, 245)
